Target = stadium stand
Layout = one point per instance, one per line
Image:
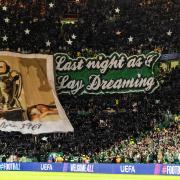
(130, 128)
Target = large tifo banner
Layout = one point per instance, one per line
(28, 101)
(153, 169)
(117, 73)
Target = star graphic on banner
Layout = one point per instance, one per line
(73, 36)
(139, 75)
(118, 33)
(51, 5)
(48, 43)
(69, 42)
(150, 39)
(5, 38)
(6, 20)
(169, 33)
(130, 39)
(27, 31)
(117, 10)
(139, 51)
(4, 8)
(45, 138)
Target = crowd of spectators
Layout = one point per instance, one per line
(112, 128)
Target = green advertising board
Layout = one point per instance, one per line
(117, 73)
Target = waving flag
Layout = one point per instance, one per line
(28, 101)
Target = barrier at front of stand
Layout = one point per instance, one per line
(156, 169)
